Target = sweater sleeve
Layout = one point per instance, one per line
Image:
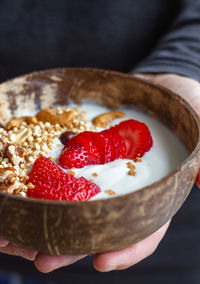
(178, 51)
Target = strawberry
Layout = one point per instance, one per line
(45, 172)
(52, 183)
(114, 147)
(90, 141)
(121, 146)
(86, 190)
(95, 143)
(76, 156)
(137, 137)
(106, 147)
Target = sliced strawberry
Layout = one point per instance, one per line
(50, 182)
(86, 190)
(46, 173)
(76, 156)
(108, 147)
(91, 143)
(114, 147)
(79, 190)
(137, 137)
(121, 148)
(42, 192)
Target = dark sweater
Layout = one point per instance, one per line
(123, 35)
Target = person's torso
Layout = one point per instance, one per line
(111, 34)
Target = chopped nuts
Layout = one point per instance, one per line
(16, 154)
(30, 185)
(7, 175)
(8, 180)
(3, 146)
(110, 192)
(130, 166)
(132, 173)
(13, 153)
(138, 159)
(71, 172)
(21, 135)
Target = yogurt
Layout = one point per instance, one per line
(166, 154)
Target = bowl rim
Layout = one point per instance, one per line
(121, 197)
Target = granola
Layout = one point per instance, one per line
(26, 138)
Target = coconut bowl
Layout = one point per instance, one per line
(88, 227)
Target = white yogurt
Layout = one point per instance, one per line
(166, 154)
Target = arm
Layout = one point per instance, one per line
(178, 51)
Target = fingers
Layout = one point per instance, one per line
(46, 263)
(187, 88)
(127, 257)
(17, 250)
(43, 262)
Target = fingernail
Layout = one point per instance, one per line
(22, 254)
(25, 255)
(3, 243)
(108, 269)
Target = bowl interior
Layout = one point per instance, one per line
(57, 86)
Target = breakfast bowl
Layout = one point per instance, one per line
(95, 226)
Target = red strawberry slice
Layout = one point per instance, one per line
(46, 173)
(76, 156)
(108, 147)
(86, 190)
(137, 138)
(52, 183)
(121, 146)
(90, 141)
(94, 143)
(42, 192)
(76, 191)
(114, 147)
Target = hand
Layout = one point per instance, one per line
(104, 262)
(124, 258)
(187, 88)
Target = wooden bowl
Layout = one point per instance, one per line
(63, 227)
